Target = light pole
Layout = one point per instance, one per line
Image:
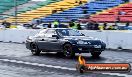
(15, 5)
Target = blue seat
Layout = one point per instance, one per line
(77, 12)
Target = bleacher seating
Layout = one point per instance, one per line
(77, 12)
(43, 11)
(8, 4)
(112, 14)
(30, 5)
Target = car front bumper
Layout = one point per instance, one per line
(88, 48)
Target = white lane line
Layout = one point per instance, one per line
(57, 67)
(118, 74)
(37, 64)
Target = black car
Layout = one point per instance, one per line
(65, 41)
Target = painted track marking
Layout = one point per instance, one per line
(57, 67)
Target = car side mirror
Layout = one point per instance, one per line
(55, 36)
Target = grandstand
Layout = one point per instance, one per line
(43, 11)
(66, 10)
(30, 5)
(78, 12)
(112, 14)
(8, 4)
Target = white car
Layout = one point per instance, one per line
(42, 26)
(2, 27)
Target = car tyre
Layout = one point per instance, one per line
(68, 51)
(35, 50)
(95, 54)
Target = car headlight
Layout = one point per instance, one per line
(80, 42)
(83, 42)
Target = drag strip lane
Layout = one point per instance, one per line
(18, 54)
(59, 67)
(37, 64)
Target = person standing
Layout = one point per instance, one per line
(55, 24)
(6, 24)
(105, 26)
(73, 24)
(96, 25)
(49, 25)
(79, 26)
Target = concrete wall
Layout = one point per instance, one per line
(113, 39)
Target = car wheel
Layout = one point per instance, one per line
(95, 54)
(67, 50)
(35, 50)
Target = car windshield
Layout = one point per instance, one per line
(69, 32)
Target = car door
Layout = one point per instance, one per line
(53, 42)
(42, 41)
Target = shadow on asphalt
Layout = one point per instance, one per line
(56, 56)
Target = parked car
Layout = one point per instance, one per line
(42, 26)
(65, 41)
(125, 27)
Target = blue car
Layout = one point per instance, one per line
(125, 27)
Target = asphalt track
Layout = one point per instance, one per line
(17, 61)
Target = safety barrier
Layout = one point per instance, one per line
(113, 39)
(17, 36)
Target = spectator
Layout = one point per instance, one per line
(101, 27)
(38, 22)
(127, 24)
(49, 25)
(115, 27)
(55, 24)
(96, 25)
(79, 26)
(90, 25)
(73, 24)
(111, 27)
(105, 26)
(6, 24)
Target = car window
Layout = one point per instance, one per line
(50, 32)
(41, 33)
(68, 32)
